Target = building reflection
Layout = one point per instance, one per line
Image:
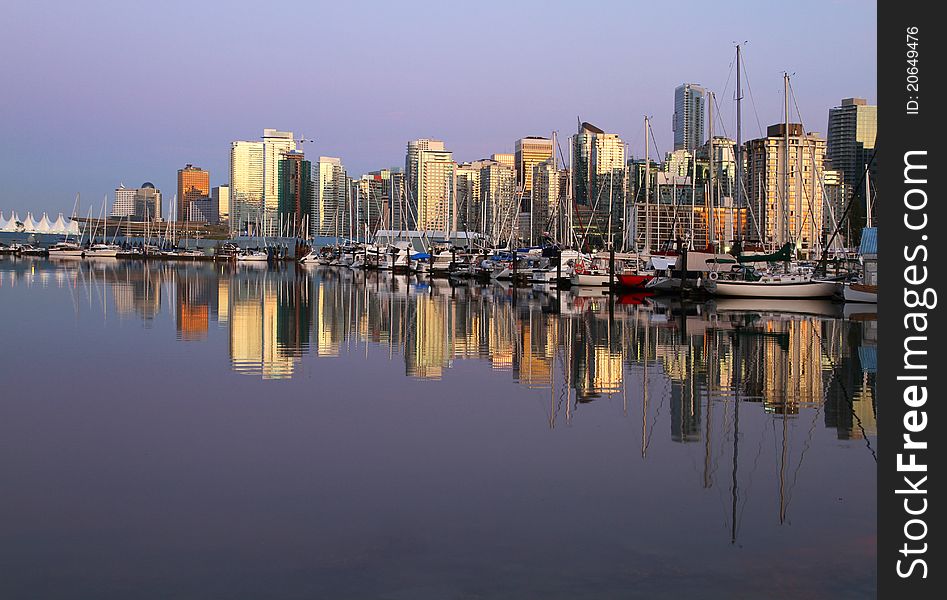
(785, 357)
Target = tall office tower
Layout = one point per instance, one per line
(785, 192)
(254, 182)
(147, 203)
(329, 208)
(193, 184)
(221, 197)
(545, 200)
(853, 127)
(529, 152)
(295, 194)
(688, 123)
(246, 187)
(124, 203)
(411, 167)
(599, 181)
(499, 211)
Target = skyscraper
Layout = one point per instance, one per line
(786, 193)
(295, 193)
(499, 213)
(529, 152)
(598, 181)
(852, 130)
(254, 182)
(124, 203)
(221, 197)
(193, 184)
(429, 171)
(330, 217)
(147, 203)
(688, 123)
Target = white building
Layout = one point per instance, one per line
(254, 182)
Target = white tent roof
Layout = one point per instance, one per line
(59, 226)
(29, 225)
(11, 224)
(3, 222)
(43, 226)
(72, 227)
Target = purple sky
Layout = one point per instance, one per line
(99, 93)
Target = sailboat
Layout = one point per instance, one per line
(66, 248)
(747, 282)
(103, 249)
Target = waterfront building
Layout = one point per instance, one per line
(294, 193)
(544, 200)
(836, 197)
(221, 197)
(499, 210)
(505, 159)
(202, 210)
(398, 207)
(529, 152)
(372, 196)
(688, 120)
(433, 184)
(193, 184)
(147, 203)
(330, 194)
(254, 182)
(467, 193)
(785, 191)
(123, 204)
(852, 131)
(599, 181)
(412, 165)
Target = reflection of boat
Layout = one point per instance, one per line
(818, 307)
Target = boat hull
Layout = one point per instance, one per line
(634, 280)
(772, 289)
(857, 292)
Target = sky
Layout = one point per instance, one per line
(96, 93)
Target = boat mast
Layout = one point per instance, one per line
(710, 155)
(784, 221)
(738, 199)
(647, 186)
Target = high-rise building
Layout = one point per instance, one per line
(254, 182)
(294, 193)
(688, 124)
(544, 199)
(411, 167)
(529, 152)
(372, 197)
(147, 203)
(785, 192)
(398, 209)
(598, 182)
(505, 159)
(467, 193)
(435, 201)
(124, 203)
(220, 195)
(853, 128)
(193, 184)
(499, 212)
(329, 206)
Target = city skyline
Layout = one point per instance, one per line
(107, 130)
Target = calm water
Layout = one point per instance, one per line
(199, 431)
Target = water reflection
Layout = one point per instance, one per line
(581, 346)
(482, 428)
